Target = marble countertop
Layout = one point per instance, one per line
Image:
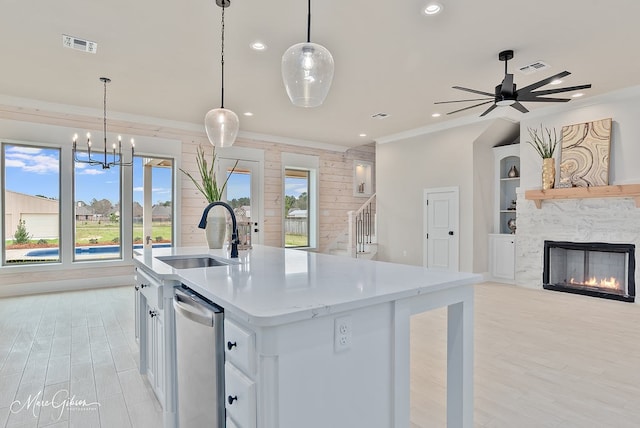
(268, 286)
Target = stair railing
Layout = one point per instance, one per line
(362, 227)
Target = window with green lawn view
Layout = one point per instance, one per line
(31, 204)
(97, 211)
(296, 212)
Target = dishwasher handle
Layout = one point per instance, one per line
(192, 310)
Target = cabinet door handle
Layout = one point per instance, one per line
(137, 288)
(153, 313)
(451, 232)
(231, 345)
(143, 285)
(231, 399)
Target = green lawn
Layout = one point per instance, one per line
(102, 233)
(291, 240)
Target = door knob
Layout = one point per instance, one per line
(451, 232)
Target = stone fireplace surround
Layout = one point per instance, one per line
(612, 220)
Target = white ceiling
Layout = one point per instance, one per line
(164, 57)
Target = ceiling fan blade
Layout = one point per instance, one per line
(543, 99)
(543, 82)
(463, 101)
(507, 85)
(519, 107)
(559, 90)
(489, 110)
(474, 91)
(467, 108)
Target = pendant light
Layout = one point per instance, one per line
(307, 71)
(222, 124)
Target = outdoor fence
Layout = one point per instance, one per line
(296, 226)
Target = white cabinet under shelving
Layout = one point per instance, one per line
(502, 241)
(502, 252)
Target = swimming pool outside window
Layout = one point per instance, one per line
(97, 210)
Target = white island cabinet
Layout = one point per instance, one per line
(314, 340)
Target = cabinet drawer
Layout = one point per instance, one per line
(240, 397)
(150, 287)
(239, 347)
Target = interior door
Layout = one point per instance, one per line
(441, 218)
(243, 194)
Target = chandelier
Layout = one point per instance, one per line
(116, 153)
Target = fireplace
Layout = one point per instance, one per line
(591, 268)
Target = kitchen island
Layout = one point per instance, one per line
(318, 340)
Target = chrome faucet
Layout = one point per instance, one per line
(234, 226)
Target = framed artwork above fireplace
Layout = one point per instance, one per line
(584, 158)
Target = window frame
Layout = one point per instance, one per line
(59, 137)
(3, 233)
(121, 252)
(310, 163)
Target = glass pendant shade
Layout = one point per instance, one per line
(222, 127)
(307, 72)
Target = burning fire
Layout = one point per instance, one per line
(602, 283)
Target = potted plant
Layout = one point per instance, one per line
(212, 191)
(545, 145)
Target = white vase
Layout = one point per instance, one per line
(216, 227)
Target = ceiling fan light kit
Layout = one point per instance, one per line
(222, 124)
(507, 94)
(307, 71)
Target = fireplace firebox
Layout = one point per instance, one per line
(592, 268)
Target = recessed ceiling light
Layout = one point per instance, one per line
(432, 8)
(578, 95)
(248, 113)
(436, 115)
(556, 81)
(258, 46)
(363, 135)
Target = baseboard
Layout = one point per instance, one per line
(52, 286)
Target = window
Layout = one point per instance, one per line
(97, 212)
(300, 195)
(153, 187)
(296, 208)
(31, 204)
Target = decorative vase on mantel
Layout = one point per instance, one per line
(548, 173)
(216, 227)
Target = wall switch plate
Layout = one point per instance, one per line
(342, 335)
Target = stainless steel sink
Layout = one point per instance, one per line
(191, 262)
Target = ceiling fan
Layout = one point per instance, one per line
(506, 93)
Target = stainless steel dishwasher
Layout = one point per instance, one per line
(200, 360)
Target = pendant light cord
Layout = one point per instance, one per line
(222, 63)
(309, 23)
(104, 122)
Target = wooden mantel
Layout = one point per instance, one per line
(617, 191)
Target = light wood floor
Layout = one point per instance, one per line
(542, 359)
(81, 342)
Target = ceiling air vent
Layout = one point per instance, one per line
(380, 115)
(79, 44)
(532, 68)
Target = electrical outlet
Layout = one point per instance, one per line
(342, 333)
